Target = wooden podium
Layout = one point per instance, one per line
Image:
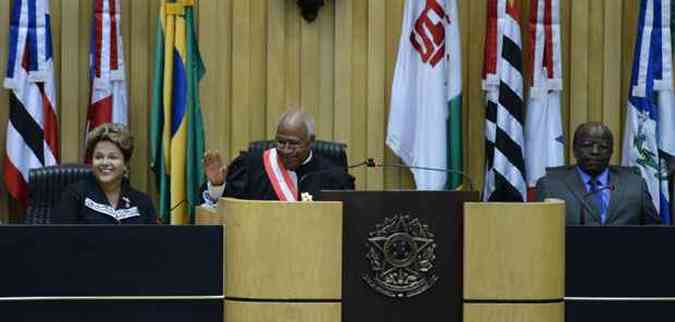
(304, 261)
(283, 261)
(514, 262)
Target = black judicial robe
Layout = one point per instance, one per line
(246, 177)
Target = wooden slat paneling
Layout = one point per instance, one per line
(292, 44)
(67, 47)
(359, 84)
(613, 101)
(276, 102)
(473, 103)
(258, 71)
(566, 51)
(326, 92)
(139, 88)
(579, 86)
(343, 73)
(394, 18)
(310, 70)
(596, 44)
(241, 76)
(216, 87)
(376, 83)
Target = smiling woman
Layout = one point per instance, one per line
(107, 198)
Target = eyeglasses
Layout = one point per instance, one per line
(288, 144)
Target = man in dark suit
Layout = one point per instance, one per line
(288, 172)
(594, 192)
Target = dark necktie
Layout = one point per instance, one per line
(597, 199)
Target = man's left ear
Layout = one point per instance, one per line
(311, 139)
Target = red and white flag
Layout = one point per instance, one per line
(106, 67)
(543, 127)
(32, 128)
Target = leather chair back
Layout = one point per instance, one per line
(334, 151)
(45, 186)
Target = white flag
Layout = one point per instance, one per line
(543, 128)
(426, 93)
(649, 136)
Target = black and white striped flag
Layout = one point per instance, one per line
(504, 117)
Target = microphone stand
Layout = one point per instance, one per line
(371, 164)
(309, 174)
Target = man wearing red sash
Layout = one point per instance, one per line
(284, 172)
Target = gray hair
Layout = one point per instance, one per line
(297, 117)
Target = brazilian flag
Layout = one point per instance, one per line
(176, 125)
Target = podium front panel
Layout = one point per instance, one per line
(514, 251)
(282, 251)
(620, 273)
(514, 261)
(110, 260)
(111, 273)
(283, 260)
(113, 311)
(282, 312)
(514, 312)
(365, 213)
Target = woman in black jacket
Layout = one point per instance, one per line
(107, 197)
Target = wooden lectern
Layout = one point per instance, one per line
(307, 261)
(514, 262)
(283, 261)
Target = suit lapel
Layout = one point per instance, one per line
(614, 196)
(577, 187)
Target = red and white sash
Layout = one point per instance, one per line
(285, 182)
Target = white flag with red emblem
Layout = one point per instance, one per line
(425, 115)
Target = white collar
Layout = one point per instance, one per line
(309, 158)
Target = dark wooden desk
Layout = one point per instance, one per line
(620, 273)
(111, 273)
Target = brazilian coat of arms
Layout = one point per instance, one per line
(401, 254)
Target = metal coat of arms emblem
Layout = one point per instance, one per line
(401, 253)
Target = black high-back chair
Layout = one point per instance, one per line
(45, 186)
(333, 151)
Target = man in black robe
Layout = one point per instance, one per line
(298, 171)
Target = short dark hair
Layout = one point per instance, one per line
(115, 133)
(586, 125)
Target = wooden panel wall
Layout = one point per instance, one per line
(262, 58)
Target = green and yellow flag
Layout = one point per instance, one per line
(176, 126)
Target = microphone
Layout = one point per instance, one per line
(329, 170)
(371, 164)
(585, 204)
